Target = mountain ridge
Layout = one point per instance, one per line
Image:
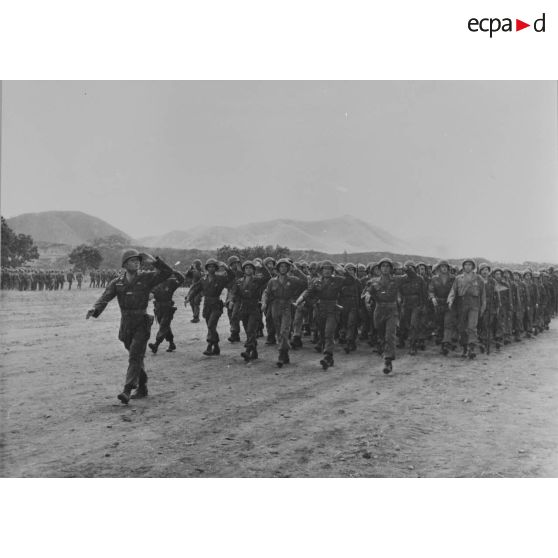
(338, 234)
(63, 227)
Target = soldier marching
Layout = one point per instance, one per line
(383, 307)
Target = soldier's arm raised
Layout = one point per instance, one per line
(162, 270)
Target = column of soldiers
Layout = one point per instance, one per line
(387, 305)
(35, 279)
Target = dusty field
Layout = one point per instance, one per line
(218, 417)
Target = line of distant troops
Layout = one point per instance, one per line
(22, 279)
(386, 304)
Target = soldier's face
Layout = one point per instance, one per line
(468, 267)
(485, 272)
(443, 269)
(248, 270)
(283, 268)
(211, 269)
(132, 264)
(327, 272)
(385, 268)
(498, 275)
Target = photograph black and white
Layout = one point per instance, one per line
(279, 279)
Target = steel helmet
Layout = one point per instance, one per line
(468, 260)
(197, 262)
(131, 253)
(248, 263)
(350, 265)
(283, 261)
(484, 266)
(326, 263)
(233, 259)
(411, 263)
(211, 261)
(268, 260)
(385, 260)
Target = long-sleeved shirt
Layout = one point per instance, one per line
(133, 295)
(469, 285)
(211, 286)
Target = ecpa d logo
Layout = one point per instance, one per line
(493, 25)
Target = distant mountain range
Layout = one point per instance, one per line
(63, 227)
(329, 235)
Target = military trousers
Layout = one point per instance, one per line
(195, 303)
(270, 322)
(468, 308)
(211, 313)
(281, 314)
(250, 317)
(410, 321)
(164, 315)
(135, 329)
(348, 320)
(503, 324)
(327, 318)
(234, 317)
(386, 317)
(445, 322)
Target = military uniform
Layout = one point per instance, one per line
(210, 287)
(413, 296)
(468, 293)
(444, 317)
(245, 295)
(278, 297)
(135, 323)
(164, 309)
(194, 274)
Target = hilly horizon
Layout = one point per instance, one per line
(63, 227)
(341, 234)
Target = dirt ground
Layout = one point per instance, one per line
(219, 417)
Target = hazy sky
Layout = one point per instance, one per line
(467, 168)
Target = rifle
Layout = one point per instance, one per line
(489, 324)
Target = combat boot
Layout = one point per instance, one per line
(154, 347)
(445, 349)
(234, 338)
(209, 350)
(327, 361)
(246, 356)
(413, 349)
(216, 349)
(422, 345)
(194, 320)
(271, 340)
(124, 397)
(140, 393)
(281, 359)
(314, 338)
(387, 366)
(254, 354)
(464, 352)
(171, 347)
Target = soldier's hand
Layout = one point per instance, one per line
(89, 313)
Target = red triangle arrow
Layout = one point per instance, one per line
(519, 25)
